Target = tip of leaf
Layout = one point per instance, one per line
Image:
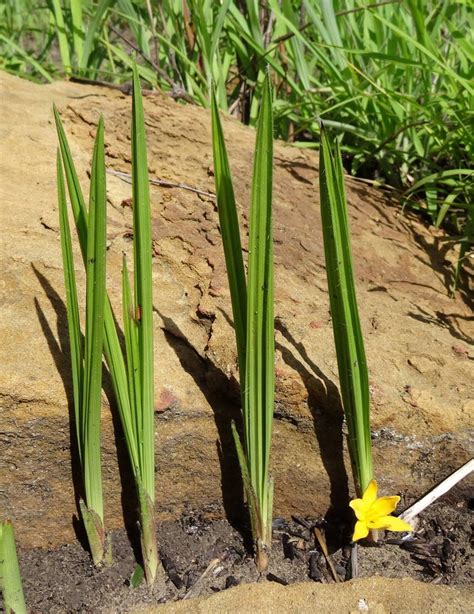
(57, 117)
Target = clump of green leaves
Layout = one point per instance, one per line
(351, 361)
(393, 78)
(252, 306)
(10, 577)
(132, 373)
(86, 352)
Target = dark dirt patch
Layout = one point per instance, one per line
(64, 580)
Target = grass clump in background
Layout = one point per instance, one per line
(132, 373)
(394, 79)
(252, 306)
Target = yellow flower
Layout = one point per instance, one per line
(373, 513)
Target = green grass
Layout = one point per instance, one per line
(252, 306)
(132, 373)
(394, 79)
(10, 577)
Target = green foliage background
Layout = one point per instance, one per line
(393, 78)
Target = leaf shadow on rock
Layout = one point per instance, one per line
(225, 404)
(60, 350)
(450, 321)
(324, 403)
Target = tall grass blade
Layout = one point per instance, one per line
(94, 335)
(10, 577)
(352, 366)
(72, 307)
(27, 57)
(77, 28)
(93, 31)
(113, 350)
(62, 36)
(132, 378)
(252, 307)
(86, 361)
(131, 345)
(144, 309)
(260, 357)
(229, 225)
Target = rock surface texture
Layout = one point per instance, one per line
(373, 595)
(417, 339)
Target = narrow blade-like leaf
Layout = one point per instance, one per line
(142, 251)
(259, 378)
(142, 245)
(229, 225)
(10, 577)
(347, 331)
(94, 330)
(131, 346)
(113, 350)
(72, 308)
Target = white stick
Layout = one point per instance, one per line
(410, 514)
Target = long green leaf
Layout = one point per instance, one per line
(94, 328)
(133, 379)
(72, 308)
(27, 57)
(347, 331)
(93, 31)
(142, 252)
(229, 225)
(142, 246)
(77, 28)
(113, 350)
(10, 577)
(252, 306)
(62, 36)
(87, 363)
(132, 347)
(259, 372)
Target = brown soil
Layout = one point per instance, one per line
(202, 556)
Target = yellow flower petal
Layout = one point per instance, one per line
(360, 531)
(389, 523)
(397, 524)
(370, 494)
(359, 507)
(383, 507)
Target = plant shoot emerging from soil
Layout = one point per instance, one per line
(252, 306)
(86, 353)
(10, 577)
(371, 513)
(351, 362)
(132, 375)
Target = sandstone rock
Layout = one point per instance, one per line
(419, 437)
(372, 595)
